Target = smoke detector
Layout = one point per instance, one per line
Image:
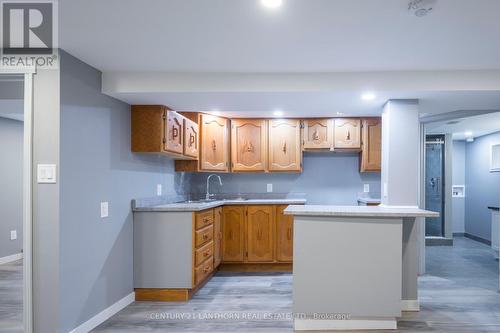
(420, 8)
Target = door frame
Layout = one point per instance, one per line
(27, 74)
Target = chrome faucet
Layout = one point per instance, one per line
(208, 195)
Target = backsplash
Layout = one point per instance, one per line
(328, 178)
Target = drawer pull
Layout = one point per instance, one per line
(205, 236)
(206, 254)
(206, 269)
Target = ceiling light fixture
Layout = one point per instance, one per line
(368, 96)
(271, 3)
(278, 113)
(468, 133)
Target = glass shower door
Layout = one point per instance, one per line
(434, 184)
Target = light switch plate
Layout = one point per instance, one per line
(104, 209)
(13, 234)
(46, 173)
(158, 189)
(269, 187)
(366, 188)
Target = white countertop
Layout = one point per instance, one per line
(198, 206)
(358, 211)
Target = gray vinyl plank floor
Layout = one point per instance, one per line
(11, 297)
(459, 293)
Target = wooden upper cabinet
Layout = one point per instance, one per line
(191, 138)
(249, 145)
(284, 145)
(233, 233)
(347, 133)
(217, 236)
(174, 129)
(214, 154)
(284, 235)
(318, 134)
(260, 233)
(371, 155)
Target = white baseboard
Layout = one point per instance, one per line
(359, 324)
(104, 315)
(410, 305)
(11, 258)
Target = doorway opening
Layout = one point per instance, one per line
(16, 110)
(435, 184)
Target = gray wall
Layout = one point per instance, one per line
(483, 186)
(458, 178)
(11, 186)
(45, 203)
(328, 178)
(96, 261)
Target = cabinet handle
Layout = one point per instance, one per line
(249, 147)
(259, 237)
(206, 269)
(191, 140)
(230, 234)
(175, 132)
(284, 147)
(205, 236)
(206, 254)
(348, 138)
(315, 135)
(289, 234)
(214, 145)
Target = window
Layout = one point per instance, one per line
(495, 158)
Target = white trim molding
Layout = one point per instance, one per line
(104, 315)
(357, 324)
(11, 258)
(410, 305)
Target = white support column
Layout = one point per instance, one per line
(400, 183)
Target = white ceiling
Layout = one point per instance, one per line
(240, 37)
(302, 36)
(478, 125)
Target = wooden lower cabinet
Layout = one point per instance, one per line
(257, 234)
(217, 236)
(284, 235)
(233, 233)
(260, 233)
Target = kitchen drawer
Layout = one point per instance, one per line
(203, 236)
(203, 253)
(202, 271)
(204, 218)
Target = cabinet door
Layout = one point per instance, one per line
(233, 231)
(214, 143)
(217, 236)
(371, 156)
(248, 145)
(173, 141)
(347, 133)
(260, 233)
(284, 145)
(191, 138)
(284, 235)
(318, 133)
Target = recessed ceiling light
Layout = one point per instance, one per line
(278, 113)
(271, 3)
(368, 96)
(468, 133)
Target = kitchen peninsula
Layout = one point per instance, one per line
(179, 245)
(347, 271)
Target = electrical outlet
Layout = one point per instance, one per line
(158, 189)
(13, 234)
(366, 188)
(269, 187)
(104, 209)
